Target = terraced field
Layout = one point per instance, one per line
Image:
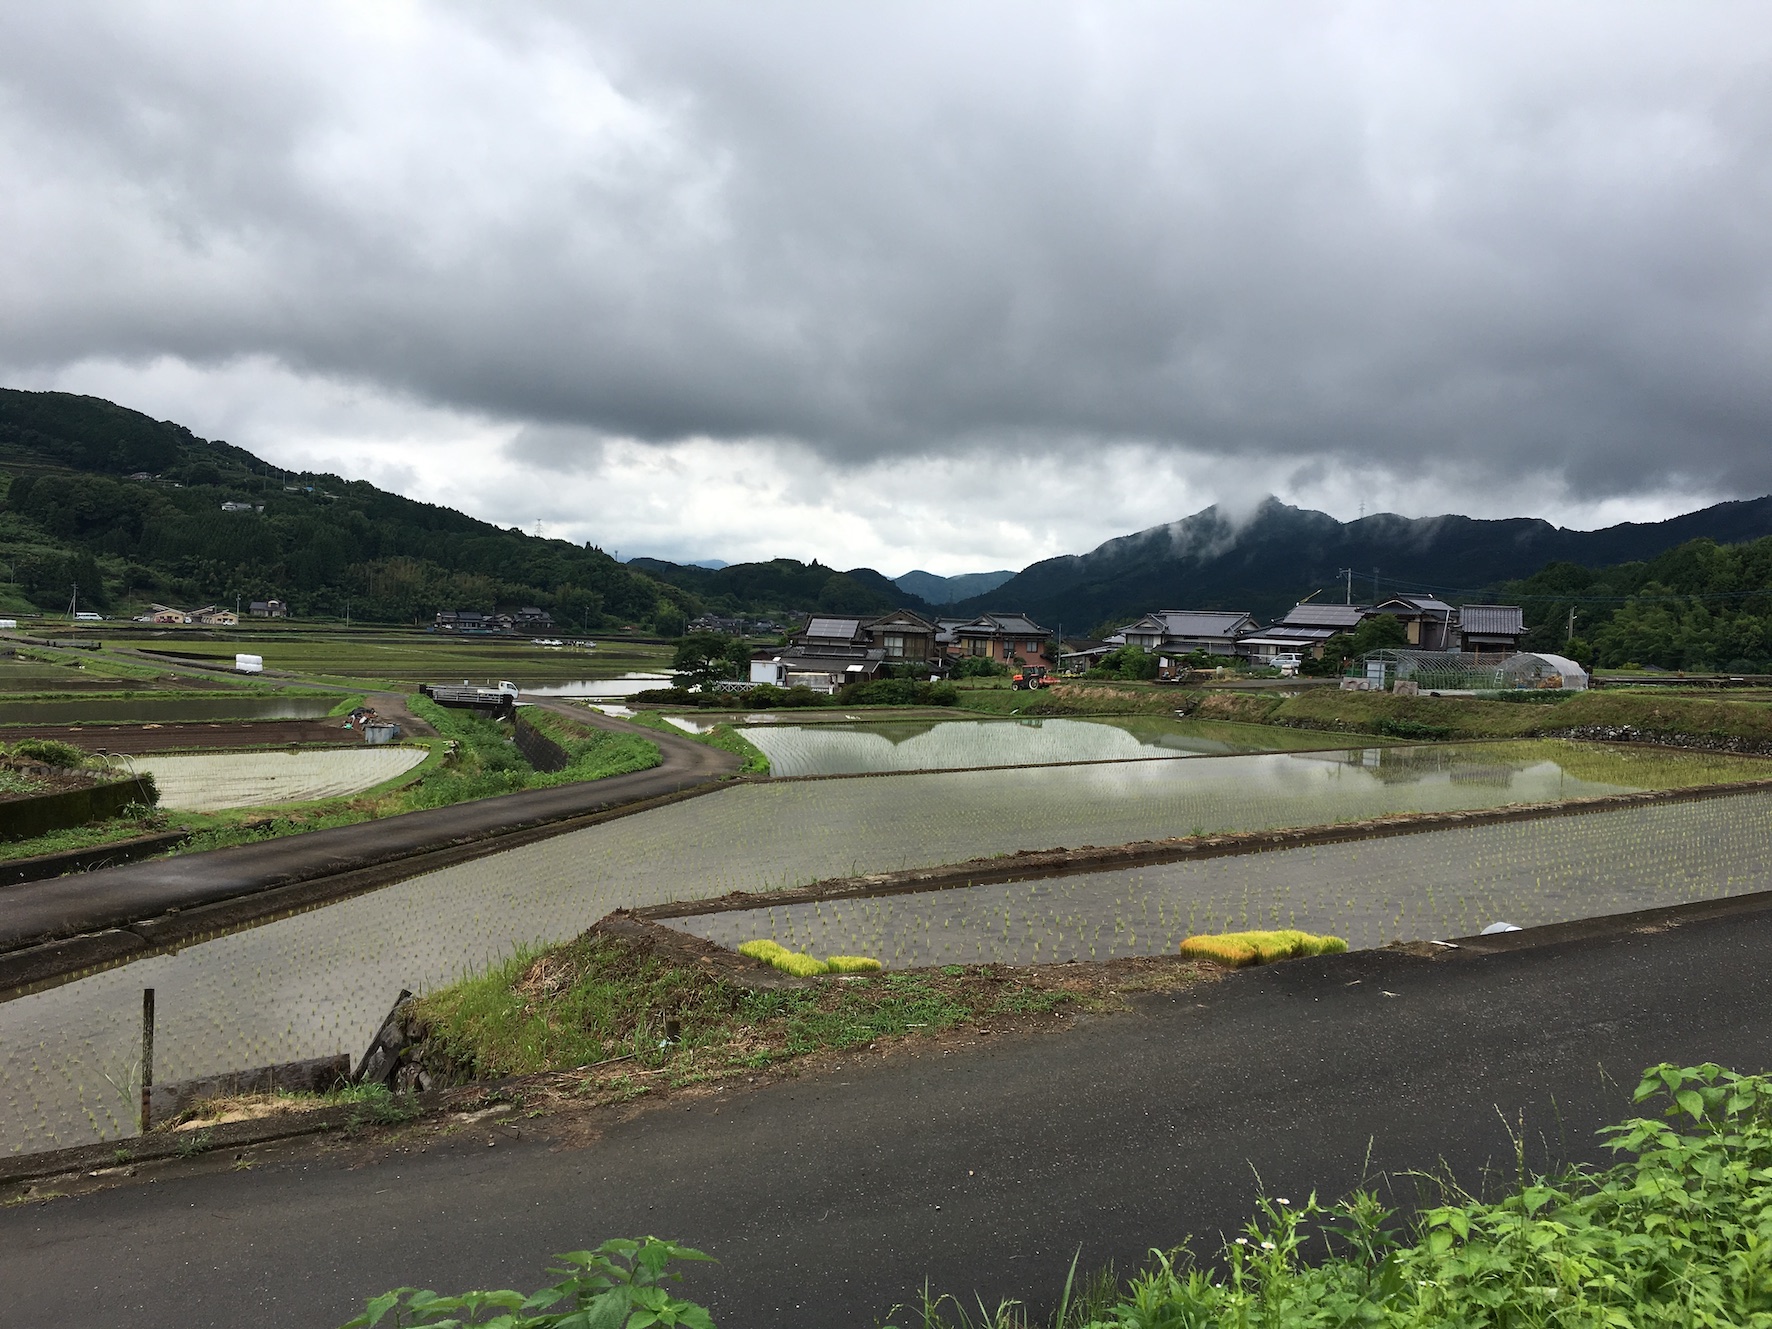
(319, 982)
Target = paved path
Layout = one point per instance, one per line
(115, 897)
(829, 1199)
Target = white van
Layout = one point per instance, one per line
(1289, 664)
(85, 616)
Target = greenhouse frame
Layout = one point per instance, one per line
(1462, 671)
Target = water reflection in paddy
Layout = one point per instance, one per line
(933, 745)
(624, 686)
(317, 983)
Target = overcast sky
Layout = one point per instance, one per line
(952, 286)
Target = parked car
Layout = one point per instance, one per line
(1289, 664)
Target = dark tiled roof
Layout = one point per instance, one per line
(1492, 620)
(1324, 616)
(1202, 622)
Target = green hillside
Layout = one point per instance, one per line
(1699, 606)
(70, 514)
(784, 585)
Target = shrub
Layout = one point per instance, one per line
(1238, 949)
(980, 666)
(852, 964)
(617, 1286)
(899, 692)
(1129, 663)
(51, 752)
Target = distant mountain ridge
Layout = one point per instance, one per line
(1280, 553)
(947, 590)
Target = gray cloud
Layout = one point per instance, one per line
(1477, 242)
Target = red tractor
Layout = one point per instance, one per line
(1031, 679)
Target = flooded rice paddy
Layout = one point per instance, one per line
(934, 745)
(212, 781)
(1434, 885)
(318, 983)
(624, 686)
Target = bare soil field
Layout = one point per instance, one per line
(168, 737)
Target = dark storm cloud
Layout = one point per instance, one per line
(1487, 240)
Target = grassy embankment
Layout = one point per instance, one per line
(601, 999)
(1654, 716)
(484, 763)
(722, 736)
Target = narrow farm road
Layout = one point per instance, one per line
(829, 1198)
(116, 897)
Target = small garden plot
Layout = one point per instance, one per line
(209, 782)
(1433, 885)
(831, 749)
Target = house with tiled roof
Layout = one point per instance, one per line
(1010, 638)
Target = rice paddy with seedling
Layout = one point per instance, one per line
(1435, 884)
(320, 982)
(210, 782)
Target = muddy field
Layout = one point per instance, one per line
(168, 737)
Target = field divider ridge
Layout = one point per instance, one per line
(1027, 864)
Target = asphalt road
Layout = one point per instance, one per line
(35, 912)
(830, 1198)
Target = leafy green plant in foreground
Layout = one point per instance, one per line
(620, 1285)
(1678, 1234)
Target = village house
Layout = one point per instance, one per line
(164, 616)
(1491, 629)
(1302, 631)
(1010, 638)
(268, 609)
(1432, 624)
(531, 618)
(1177, 632)
(466, 620)
(835, 649)
(214, 616)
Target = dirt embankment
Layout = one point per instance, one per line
(1701, 722)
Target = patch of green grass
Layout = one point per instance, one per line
(723, 736)
(595, 753)
(601, 998)
(91, 836)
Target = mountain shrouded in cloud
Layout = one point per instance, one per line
(776, 261)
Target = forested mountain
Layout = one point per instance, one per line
(1279, 554)
(1699, 606)
(71, 514)
(947, 590)
(782, 586)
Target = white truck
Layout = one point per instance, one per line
(467, 694)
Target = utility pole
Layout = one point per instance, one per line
(1571, 632)
(1350, 586)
